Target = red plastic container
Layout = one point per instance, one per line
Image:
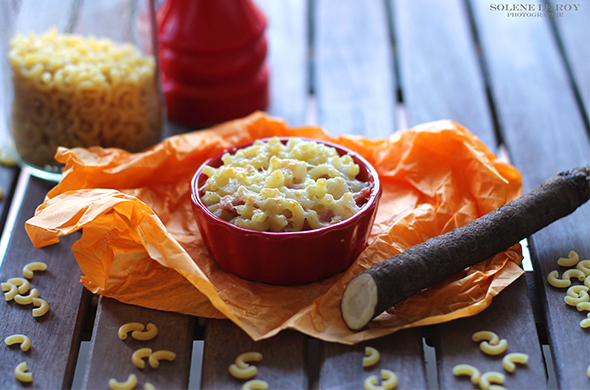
(285, 258)
(212, 57)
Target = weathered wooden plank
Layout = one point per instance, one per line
(441, 77)
(282, 366)
(438, 66)
(110, 357)
(288, 56)
(401, 352)
(574, 33)
(545, 133)
(505, 318)
(353, 72)
(56, 335)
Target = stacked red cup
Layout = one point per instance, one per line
(212, 58)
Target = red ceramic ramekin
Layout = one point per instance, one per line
(285, 258)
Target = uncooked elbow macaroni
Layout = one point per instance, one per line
(469, 370)
(138, 356)
(371, 357)
(71, 90)
(554, 280)
(129, 384)
(241, 369)
(243, 359)
(42, 307)
(21, 373)
(255, 384)
(26, 299)
(22, 284)
(584, 266)
(30, 268)
(243, 373)
(10, 291)
(570, 261)
(271, 186)
(494, 350)
(388, 381)
(489, 342)
(150, 332)
(508, 362)
(24, 341)
(128, 327)
(491, 377)
(486, 335)
(155, 357)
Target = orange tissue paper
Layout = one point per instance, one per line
(140, 243)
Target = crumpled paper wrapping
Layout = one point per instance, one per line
(141, 245)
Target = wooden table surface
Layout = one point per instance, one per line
(521, 83)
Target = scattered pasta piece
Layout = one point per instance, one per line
(491, 377)
(126, 328)
(22, 284)
(28, 269)
(573, 273)
(496, 387)
(41, 305)
(129, 384)
(588, 371)
(587, 282)
(371, 357)
(26, 299)
(10, 291)
(149, 386)
(242, 359)
(509, 360)
(150, 332)
(20, 371)
(584, 266)
(486, 335)
(255, 384)
(25, 342)
(570, 261)
(139, 355)
(494, 350)
(583, 297)
(574, 291)
(389, 381)
(155, 357)
(243, 373)
(583, 306)
(585, 323)
(555, 281)
(469, 370)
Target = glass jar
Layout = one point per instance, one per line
(80, 74)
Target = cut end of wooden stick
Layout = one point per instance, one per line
(358, 301)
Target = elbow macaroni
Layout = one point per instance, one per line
(72, 91)
(41, 305)
(126, 328)
(371, 357)
(271, 186)
(150, 332)
(255, 384)
(20, 371)
(389, 381)
(24, 341)
(469, 370)
(28, 269)
(155, 357)
(129, 384)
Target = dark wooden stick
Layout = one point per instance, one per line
(399, 277)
